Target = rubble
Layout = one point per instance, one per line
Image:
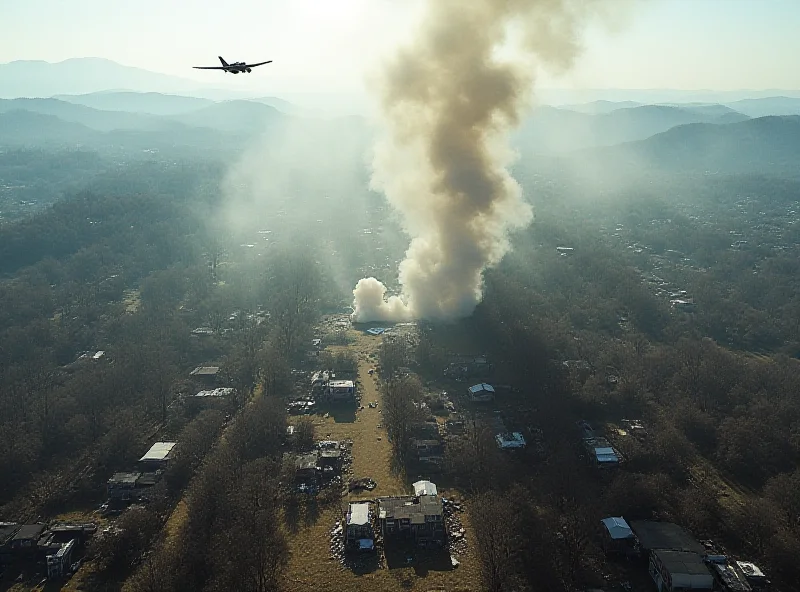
(359, 484)
(456, 535)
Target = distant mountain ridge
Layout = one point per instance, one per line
(552, 130)
(36, 78)
(768, 144)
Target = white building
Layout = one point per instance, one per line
(340, 390)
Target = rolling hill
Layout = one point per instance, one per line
(550, 130)
(768, 106)
(234, 116)
(26, 128)
(138, 102)
(769, 145)
(36, 78)
(97, 119)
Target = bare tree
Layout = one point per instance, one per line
(399, 411)
(496, 539)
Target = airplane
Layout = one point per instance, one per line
(233, 68)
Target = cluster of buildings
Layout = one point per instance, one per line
(321, 466)
(416, 519)
(55, 544)
(125, 488)
(676, 561)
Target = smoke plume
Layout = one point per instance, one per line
(447, 103)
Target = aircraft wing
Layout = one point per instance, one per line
(258, 64)
(209, 67)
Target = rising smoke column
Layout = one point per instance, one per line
(447, 103)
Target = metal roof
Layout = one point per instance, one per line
(664, 535)
(617, 528)
(481, 387)
(158, 451)
(424, 488)
(358, 514)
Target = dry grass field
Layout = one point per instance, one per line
(311, 566)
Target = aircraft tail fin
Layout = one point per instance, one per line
(221, 59)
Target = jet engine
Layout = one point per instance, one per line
(249, 70)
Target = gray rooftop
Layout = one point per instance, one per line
(683, 562)
(664, 535)
(409, 507)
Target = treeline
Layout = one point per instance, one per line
(131, 274)
(230, 537)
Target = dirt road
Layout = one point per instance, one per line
(311, 566)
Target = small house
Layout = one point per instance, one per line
(206, 374)
(123, 485)
(158, 456)
(618, 537)
(600, 453)
(510, 441)
(679, 570)
(481, 393)
(341, 390)
(413, 518)
(25, 540)
(307, 473)
(428, 451)
(358, 534)
(424, 488)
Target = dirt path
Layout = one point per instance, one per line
(311, 566)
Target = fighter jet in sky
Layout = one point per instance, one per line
(233, 68)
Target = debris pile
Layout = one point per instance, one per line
(456, 535)
(361, 484)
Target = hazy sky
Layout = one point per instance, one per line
(316, 44)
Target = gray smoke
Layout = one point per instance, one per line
(447, 103)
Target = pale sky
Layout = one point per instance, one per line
(328, 44)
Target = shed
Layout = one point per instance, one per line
(617, 528)
(425, 488)
(358, 534)
(159, 453)
(510, 441)
(481, 393)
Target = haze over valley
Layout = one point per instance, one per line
(450, 296)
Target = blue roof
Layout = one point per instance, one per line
(481, 387)
(617, 527)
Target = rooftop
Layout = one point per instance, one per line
(158, 451)
(617, 528)
(683, 562)
(664, 535)
(358, 514)
(29, 531)
(205, 371)
(409, 508)
(478, 388)
(510, 440)
(425, 488)
(124, 478)
(340, 384)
